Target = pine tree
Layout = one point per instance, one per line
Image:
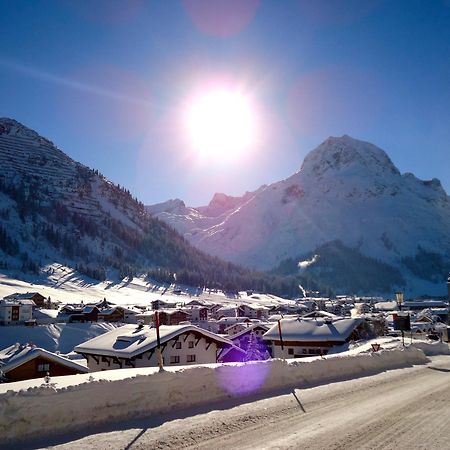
(253, 351)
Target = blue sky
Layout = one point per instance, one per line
(106, 80)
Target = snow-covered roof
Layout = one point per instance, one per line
(232, 320)
(15, 302)
(131, 340)
(16, 355)
(324, 314)
(312, 330)
(19, 296)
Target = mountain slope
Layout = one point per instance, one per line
(54, 209)
(348, 191)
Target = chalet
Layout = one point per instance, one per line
(252, 312)
(197, 313)
(119, 314)
(72, 308)
(236, 328)
(15, 312)
(39, 300)
(226, 311)
(88, 314)
(135, 346)
(309, 337)
(289, 309)
(23, 362)
(161, 304)
(225, 322)
(173, 316)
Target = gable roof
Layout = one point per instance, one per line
(16, 355)
(313, 330)
(131, 340)
(249, 329)
(27, 296)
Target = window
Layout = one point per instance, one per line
(190, 358)
(174, 359)
(178, 345)
(290, 351)
(191, 344)
(43, 367)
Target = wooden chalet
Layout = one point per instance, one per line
(23, 362)
(173, 316)
(39, 300)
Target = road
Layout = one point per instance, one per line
(400, 409)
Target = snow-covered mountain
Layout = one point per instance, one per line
(347, 192)
(56, 210)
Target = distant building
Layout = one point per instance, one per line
(173, 316)
(88, 314)
(39, 300)
(15, 312)
(23, 362)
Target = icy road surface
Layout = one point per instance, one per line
(400, 409)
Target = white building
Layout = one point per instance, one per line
(135, 346)
(14, 312)
(309, 337)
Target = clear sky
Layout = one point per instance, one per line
(111, 82)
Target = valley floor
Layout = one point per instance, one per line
(397, 409)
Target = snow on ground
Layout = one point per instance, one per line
(69, 403)
(62, 337)
(68, 286)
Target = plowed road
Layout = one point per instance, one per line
(400, 409)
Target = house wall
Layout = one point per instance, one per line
(294, 349)
(202, 355)
(25, 313)
(30, 370)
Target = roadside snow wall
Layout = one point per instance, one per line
(43, 411)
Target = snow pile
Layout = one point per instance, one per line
(432, 348)
(62, 406)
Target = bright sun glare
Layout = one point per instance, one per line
(221, 125)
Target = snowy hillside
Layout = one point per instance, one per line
(56, 210)
(348, 192)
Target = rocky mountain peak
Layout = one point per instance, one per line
(13, 128)
(346, 154)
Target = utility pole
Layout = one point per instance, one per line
(158, 343)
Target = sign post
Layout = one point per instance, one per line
(402, 322)
(281, 336)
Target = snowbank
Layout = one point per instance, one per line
(47, 410)
(432, 348)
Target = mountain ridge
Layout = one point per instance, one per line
(54, 209)
(346, 190)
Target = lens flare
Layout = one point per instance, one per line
(243, 379)
(220, 125)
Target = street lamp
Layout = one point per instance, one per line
(399, 296)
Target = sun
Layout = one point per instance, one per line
(221, 125)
